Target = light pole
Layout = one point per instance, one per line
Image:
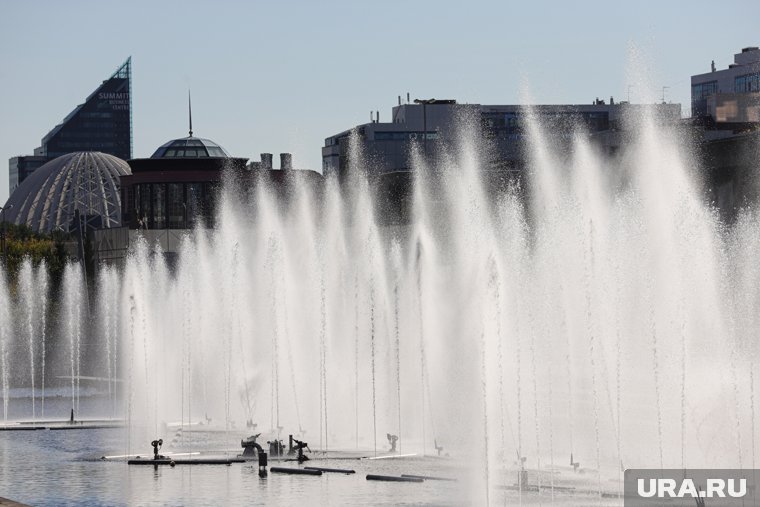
(5, 232)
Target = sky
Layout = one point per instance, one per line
(281, 76)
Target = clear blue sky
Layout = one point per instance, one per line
(282, 75)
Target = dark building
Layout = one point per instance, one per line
(19, 168)
(176, 187)
(103, 123)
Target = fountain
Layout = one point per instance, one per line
(566, 314)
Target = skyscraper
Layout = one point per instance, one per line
(103, 122)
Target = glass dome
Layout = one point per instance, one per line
(190, 147)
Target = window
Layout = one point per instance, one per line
(704, 90)
(597, 122)
(194, 200)
(403, 136)
(747, 83)
(175, 204)
(143, 197)
(159, 206)
(699, 94)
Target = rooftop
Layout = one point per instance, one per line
(190, 147)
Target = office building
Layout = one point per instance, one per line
(729, 99)
(428, 125)
(102, 123)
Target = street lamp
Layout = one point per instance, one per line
(2, 212)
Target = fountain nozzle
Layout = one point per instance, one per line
(156, 446)
(299, 447)
(392, 439)
(249, 444)
(574, 463)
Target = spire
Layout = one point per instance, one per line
(190, 111)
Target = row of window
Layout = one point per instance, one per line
(513, 123)
(186, 142)
(212, 152)
(404, 136)
(699, 94)
(95, 114)
(71, 146)
(747, 83)
(167, 205)
(102, 132)
(703, 90)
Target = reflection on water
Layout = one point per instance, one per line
(63, 468)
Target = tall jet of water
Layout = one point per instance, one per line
(577, 314)
(6, 327)
(28, 300)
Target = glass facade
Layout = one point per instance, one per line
(102, 123)
(175, 205)
(501, 124)
(699, 94)
(170, 205)
(21, 167)
(190, 147)
(747, 83)
(158, 195)
(404, 136)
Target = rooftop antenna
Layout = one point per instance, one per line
(663, 93)
(190, 111)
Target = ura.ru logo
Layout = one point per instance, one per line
(670, 488)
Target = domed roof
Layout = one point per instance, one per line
(84, 181)
(190, 147)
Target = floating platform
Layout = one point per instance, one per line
(21, 428)
(533, 488)
(295, 471)
(390, 456)
(84, 426)
(61, 425)
(170, 462)
(393, 478)
(429, 477)
(332, 470)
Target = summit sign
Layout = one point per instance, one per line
(119, 101)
